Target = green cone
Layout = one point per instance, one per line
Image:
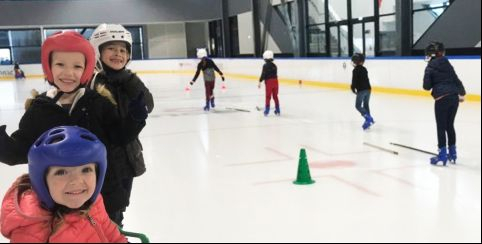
(304, 176)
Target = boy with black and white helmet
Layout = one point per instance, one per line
(113, 49)
(270, 77)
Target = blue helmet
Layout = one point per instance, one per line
(64, 146)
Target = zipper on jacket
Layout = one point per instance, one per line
(100, 233)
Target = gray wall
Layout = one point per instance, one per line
(93, 12)
(166, 40)
(197, 36)
(239, 6)
(458, 27)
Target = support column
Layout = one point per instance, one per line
(404, 27)
(302, 16)
(226, 31)
(256, 28)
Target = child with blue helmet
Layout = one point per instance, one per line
(59, 200)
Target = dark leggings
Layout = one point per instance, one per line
(209, 85)
(445, 112)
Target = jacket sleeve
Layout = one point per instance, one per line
(198, 71)
(460, 87)
(427, 79)
(119, 131)
(354, 80)
(135, 85)
(263, 74)
(14, 149)
(149, 99)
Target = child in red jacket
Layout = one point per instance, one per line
(59, 200)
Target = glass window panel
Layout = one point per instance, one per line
(136, 34)
(358, 38)
(362, 8)
(334, 41)
(388, 33)
(316, 11)
(25, 38)
(316, 39)
(4, 40)
(86, 32)
(424, 4)
(26, 54)
(370, 39)
(388, 6)
(344, 41)
(422, 20)
(5, 57)
(137, 52)
(338, 10)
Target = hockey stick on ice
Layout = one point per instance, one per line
(381, 148)
(412, 148)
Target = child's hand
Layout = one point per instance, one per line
(137, 108)
(461, 98)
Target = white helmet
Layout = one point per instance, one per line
(202, 53)
(268, 55)
(105, 33)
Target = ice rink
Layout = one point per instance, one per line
(226, 175)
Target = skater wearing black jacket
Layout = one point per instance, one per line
(113, 47)
(448, 91)
(360, 85)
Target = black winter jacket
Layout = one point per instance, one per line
(440, 77)
(360, 80)
(270, 71)
(125, 86)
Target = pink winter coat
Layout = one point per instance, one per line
(24, 220)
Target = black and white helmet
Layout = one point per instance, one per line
(105, 33)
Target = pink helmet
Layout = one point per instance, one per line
(68, 41)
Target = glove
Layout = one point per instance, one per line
(137, 108)
(191, 83)
(222, 77)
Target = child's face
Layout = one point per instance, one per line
(115, 55)
(72, 186)
(67, 69)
